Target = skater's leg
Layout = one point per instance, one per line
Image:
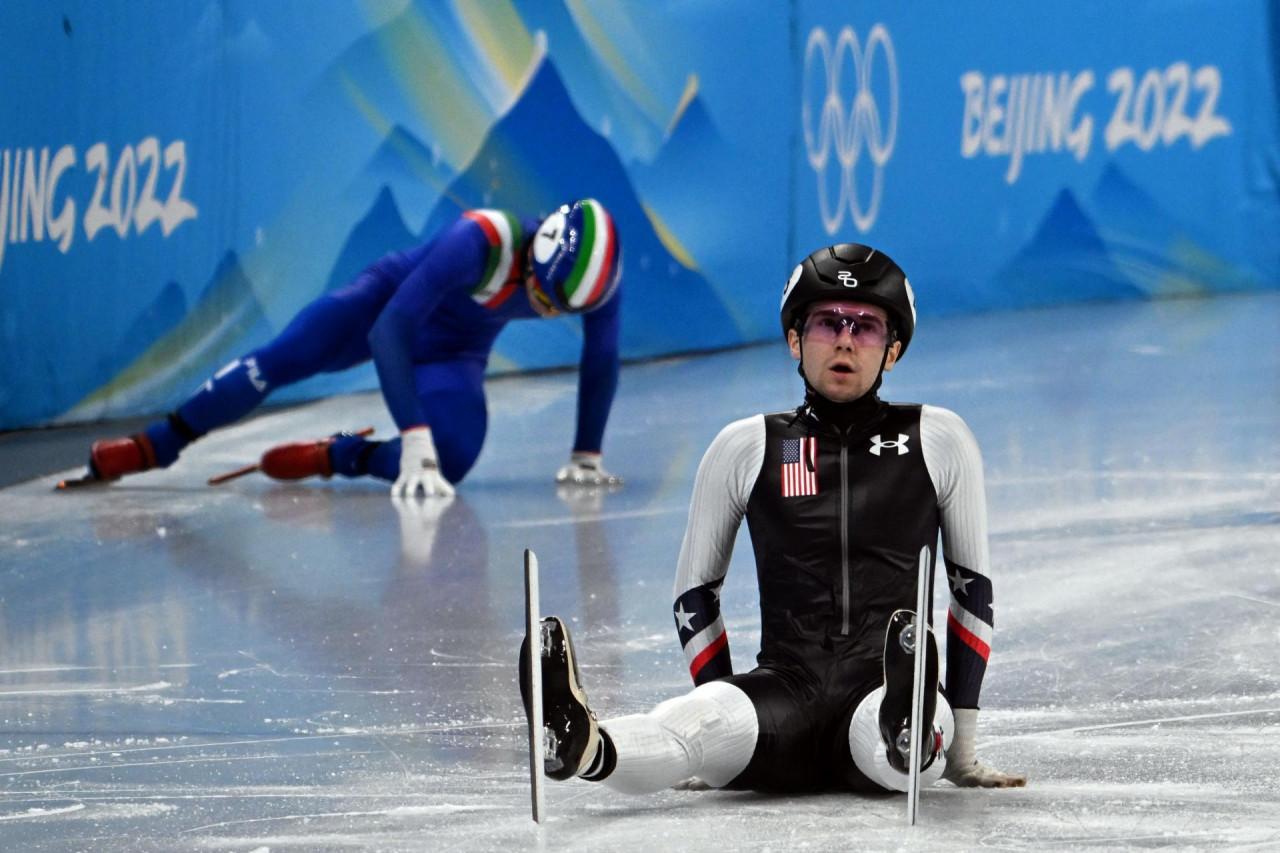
(870, 752)
(754, 731)
(709, 733)
(452, 395)
(331, 333)
(226, 396)
(879, 726)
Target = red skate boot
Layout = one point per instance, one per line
(112, 458)
(298, 460)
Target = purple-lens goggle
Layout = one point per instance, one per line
(866, 329)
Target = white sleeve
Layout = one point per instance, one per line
(721, 490)
(723, 485)
(955, 465)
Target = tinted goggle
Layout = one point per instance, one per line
(865, 328)
(541, 295)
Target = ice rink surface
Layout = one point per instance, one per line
(265, 667)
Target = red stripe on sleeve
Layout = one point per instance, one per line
(501, 296)
(969, 638)
(696, 665)
(490, 232)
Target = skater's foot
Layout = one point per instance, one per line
(900, 641)
(301, 459)
(298, 460)
(569, 726)
(113, 458)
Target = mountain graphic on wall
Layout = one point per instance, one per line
(541, 154)
(415, 173)
(1151, 246)
(420, 69)
(154, 322)
(225, 317)
(694, 154)
(378, 232)
(1066, 260)
(594, 89)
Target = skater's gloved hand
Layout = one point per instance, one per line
(419, 467)
(964, 770)
(585, 469)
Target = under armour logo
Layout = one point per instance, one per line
(901, 444)
(847, 279)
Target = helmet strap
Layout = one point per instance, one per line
(884, 359)
(798, 325)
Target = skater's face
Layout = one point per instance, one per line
(842, 345)
(541, 304)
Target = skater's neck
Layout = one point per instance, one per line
(843, 415)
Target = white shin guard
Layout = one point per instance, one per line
(868, 748)
(709, 732)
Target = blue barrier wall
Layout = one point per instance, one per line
(1021, 154)
(177, 179)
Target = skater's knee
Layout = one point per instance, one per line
(710, 707)
(869, 751)
(716, 726)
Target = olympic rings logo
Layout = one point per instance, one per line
(846, 127)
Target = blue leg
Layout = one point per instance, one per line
(331, 333)
(452, 393)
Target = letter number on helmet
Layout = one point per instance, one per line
(847, 279)
(544, 245)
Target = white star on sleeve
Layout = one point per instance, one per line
(684, 619)
(959, 583)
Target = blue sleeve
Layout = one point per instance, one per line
(598, 372)
(967, 652)
(453, 261)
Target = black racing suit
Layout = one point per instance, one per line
(842, 502)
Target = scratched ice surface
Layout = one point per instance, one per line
(269, 667)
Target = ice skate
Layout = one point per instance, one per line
(301, 459)
(569, 726)
(294, 461)
(900, 641)
(112, 458)
(298, 460)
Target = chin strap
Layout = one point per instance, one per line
(884, 359)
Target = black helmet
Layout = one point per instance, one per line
(854, 272)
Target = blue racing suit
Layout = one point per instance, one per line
(428, 319)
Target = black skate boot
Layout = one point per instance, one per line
(569, 726)
(895, 708)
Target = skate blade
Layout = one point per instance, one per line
(79, 483)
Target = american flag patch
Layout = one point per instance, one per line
(799, 467)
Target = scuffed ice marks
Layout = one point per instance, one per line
(282, 670)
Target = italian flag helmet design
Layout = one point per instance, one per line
(575, 256)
